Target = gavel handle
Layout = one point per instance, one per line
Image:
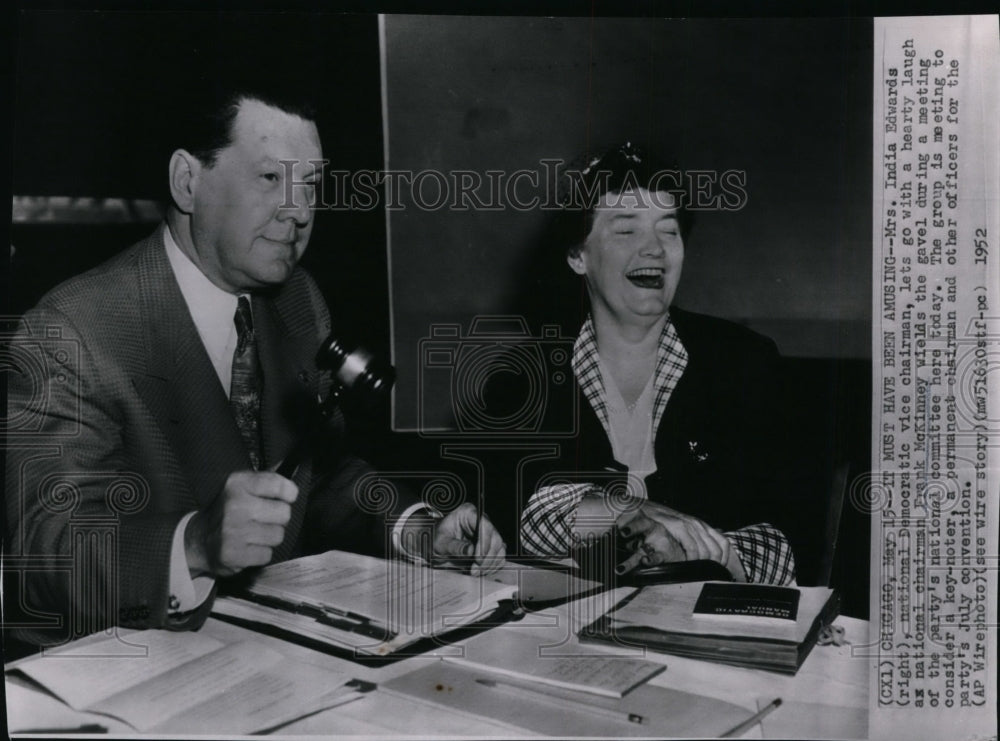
(293, 460)
(290, 465)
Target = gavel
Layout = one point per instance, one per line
(355, 372)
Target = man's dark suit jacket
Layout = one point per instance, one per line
(718, 447)
(119, 426)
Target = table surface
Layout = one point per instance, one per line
(828, 697)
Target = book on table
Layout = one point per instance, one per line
(371, 606)
(748, 625)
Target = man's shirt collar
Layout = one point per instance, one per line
(211, 309)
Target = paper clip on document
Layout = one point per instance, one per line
(340, 619)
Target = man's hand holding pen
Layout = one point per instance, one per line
(462, 536)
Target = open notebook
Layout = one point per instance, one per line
(370, 605)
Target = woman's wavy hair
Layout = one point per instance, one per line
(585, 181)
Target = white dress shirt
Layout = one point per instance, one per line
(630, 428)
(212, 311)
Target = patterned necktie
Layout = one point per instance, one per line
(244, 392)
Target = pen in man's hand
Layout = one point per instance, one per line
(475, 537)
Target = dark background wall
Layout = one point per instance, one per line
(97, 95)
(786, 102)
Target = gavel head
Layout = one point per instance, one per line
(354, 369)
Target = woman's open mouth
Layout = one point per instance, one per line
(647, 277)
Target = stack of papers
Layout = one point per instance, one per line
(164, 681)
(648, 711)
(370, 605)
(525, 657)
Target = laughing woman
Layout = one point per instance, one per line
(685, 405)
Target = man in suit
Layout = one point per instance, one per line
(159, 391)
